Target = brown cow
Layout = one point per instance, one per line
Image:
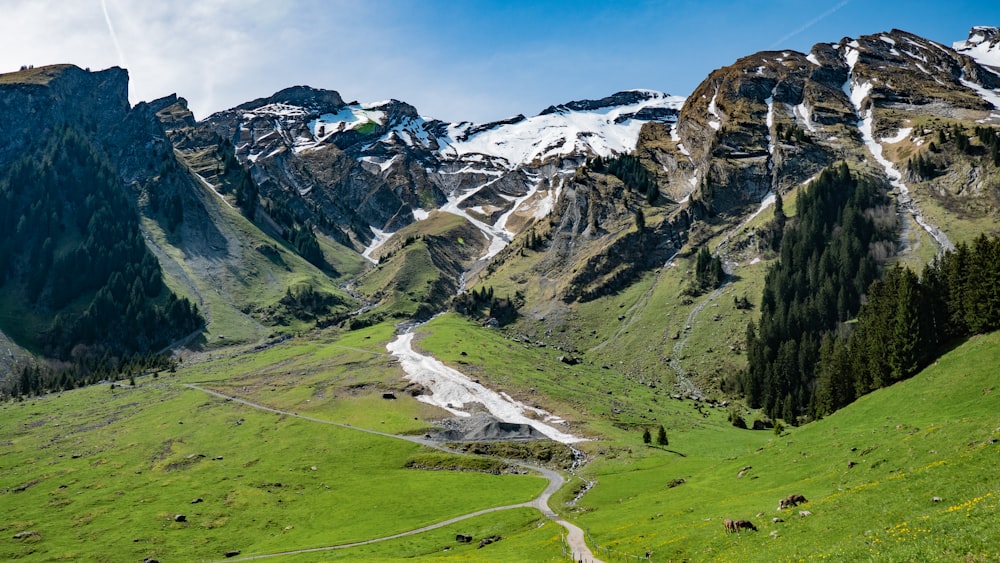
(730, 526)
(791, 500)
(744, 524)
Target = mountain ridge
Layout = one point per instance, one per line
(347, 174)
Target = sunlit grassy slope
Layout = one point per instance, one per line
(101, 474)
(932, 436)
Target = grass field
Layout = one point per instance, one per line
(100, 474)
(932, 436)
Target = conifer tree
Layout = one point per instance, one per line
(661, 436)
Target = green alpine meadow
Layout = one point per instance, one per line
(758, 322)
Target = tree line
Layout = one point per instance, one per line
(908, 321)
(830, 254)
(631, 172)
(72, 252)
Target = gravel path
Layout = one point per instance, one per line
(574, 537)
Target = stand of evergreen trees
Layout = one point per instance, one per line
(908, 321)
(631, 172)
(481, 303)
(708, 272)
(828, 260)
(72, 251)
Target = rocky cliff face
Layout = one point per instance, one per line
(771, 120)
(35, 101)
(363, 169)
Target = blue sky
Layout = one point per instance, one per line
(453, 60)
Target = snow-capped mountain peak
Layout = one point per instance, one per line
(601, 127)
(983, 45)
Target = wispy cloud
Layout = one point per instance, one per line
(808, 24)
(114, 37)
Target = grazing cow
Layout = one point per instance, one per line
(730, 525)
(791, 500)
(744, 524)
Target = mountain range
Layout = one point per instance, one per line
(306, 324)
(351, 199)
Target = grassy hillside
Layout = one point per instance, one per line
(235, 272)
(932, 436)
(101, 473)
(98, 473)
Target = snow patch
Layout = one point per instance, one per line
(991, 96)
(602, 131)
(812, 58)
(714, 111)
(452, 390)
(984, 53)
(804, 114)
(380, 238)
(899, 136)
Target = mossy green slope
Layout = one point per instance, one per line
(871, 473)
(100, 474)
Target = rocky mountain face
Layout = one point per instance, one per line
(380, 180)
(363, 169)
(772, 120)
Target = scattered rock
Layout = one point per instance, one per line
(851, 464)
(675, 482)
(462, 538)
(487, 541)
(150, 560)
(26, 535)
(390, 396)
(197, 500)
(569, 360)
(805, 513)
(776, 520)
(180, 518)
(936, 499)
(743, 472)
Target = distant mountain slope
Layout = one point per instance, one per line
(306, 189)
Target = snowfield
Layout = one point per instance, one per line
(452, 390)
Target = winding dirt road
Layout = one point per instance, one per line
(574, 536)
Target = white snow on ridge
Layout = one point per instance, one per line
(559, 133)
(277, 109)
(349, 117)
(976, 47)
